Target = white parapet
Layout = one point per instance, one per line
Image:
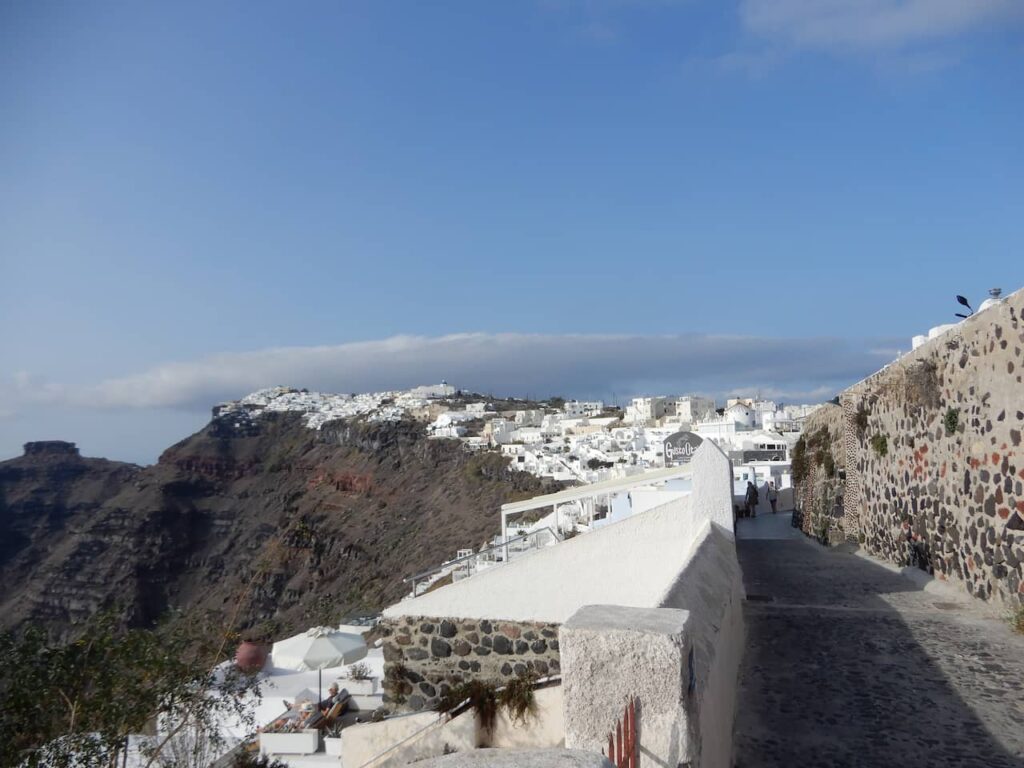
(612, 652)
(632, 562)
(680, 661)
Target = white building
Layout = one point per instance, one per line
(780, 422)
(529, 418)
(433, 391)
(799, 412)
(643, 410)
(742, 415)
(577, 408)
(501, 431)
(551, 425)
(528, 435)
(691, 408)
(447, 424)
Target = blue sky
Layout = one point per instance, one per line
(193, 195)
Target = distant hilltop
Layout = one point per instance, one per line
(318, 408)
(51, 448)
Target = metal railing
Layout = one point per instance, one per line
(466, 565)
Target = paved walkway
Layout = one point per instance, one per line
(849, 663)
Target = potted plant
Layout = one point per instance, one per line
(252, 654)
(332, 739)
(360, 680)
(283, 737)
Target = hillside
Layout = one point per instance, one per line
(328, 521)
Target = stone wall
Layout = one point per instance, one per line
(424, 656)
(935, 464)
(819, 463)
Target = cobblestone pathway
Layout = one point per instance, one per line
(849, 663)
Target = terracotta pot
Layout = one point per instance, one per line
(251, 656)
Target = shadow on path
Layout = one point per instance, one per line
(851, 664)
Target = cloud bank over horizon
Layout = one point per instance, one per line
(539, 365)
(536, 365)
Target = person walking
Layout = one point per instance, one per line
(773, 495)
(751, 499)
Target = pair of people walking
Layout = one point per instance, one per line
(752, 497)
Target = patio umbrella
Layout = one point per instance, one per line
(318, 648)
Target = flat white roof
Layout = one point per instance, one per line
(596, 489)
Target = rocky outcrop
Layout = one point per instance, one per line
(57, 448)
(268, 519)
(46, 492)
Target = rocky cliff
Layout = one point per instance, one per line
(295, 526)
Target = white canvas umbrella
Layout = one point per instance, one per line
(318, 648)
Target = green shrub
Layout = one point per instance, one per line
(395, 684)
(1017, 620)
(481, 695)
(860, 420)
(880, 444)
(798, 461)
(829, 464)
(485, 698)
(951, 420)
(517, 698)
(359, 671)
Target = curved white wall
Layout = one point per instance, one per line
(627, 563)
(630, 563)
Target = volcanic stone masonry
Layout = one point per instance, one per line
(425, 656)
(934, 466)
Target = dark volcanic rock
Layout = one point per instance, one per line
(343, 514)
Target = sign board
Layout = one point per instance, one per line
(680, 447)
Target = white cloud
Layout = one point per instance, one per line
(870, 24)
(518, 364)
(135, 417)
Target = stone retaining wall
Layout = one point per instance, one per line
(934, 473)
(424, 656)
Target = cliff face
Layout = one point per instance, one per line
(291, 524)
(46, 492)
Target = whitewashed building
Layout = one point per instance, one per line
(643, 410)
(577, 408)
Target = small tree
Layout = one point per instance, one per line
(76, 703)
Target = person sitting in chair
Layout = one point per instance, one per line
(334, 696)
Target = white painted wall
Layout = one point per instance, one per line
(545, 729)
(647, 499)
(611, 652)
(601, 567)
(711, 590)
(401, 740)
(553, 583)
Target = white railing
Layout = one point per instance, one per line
(463, 567)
